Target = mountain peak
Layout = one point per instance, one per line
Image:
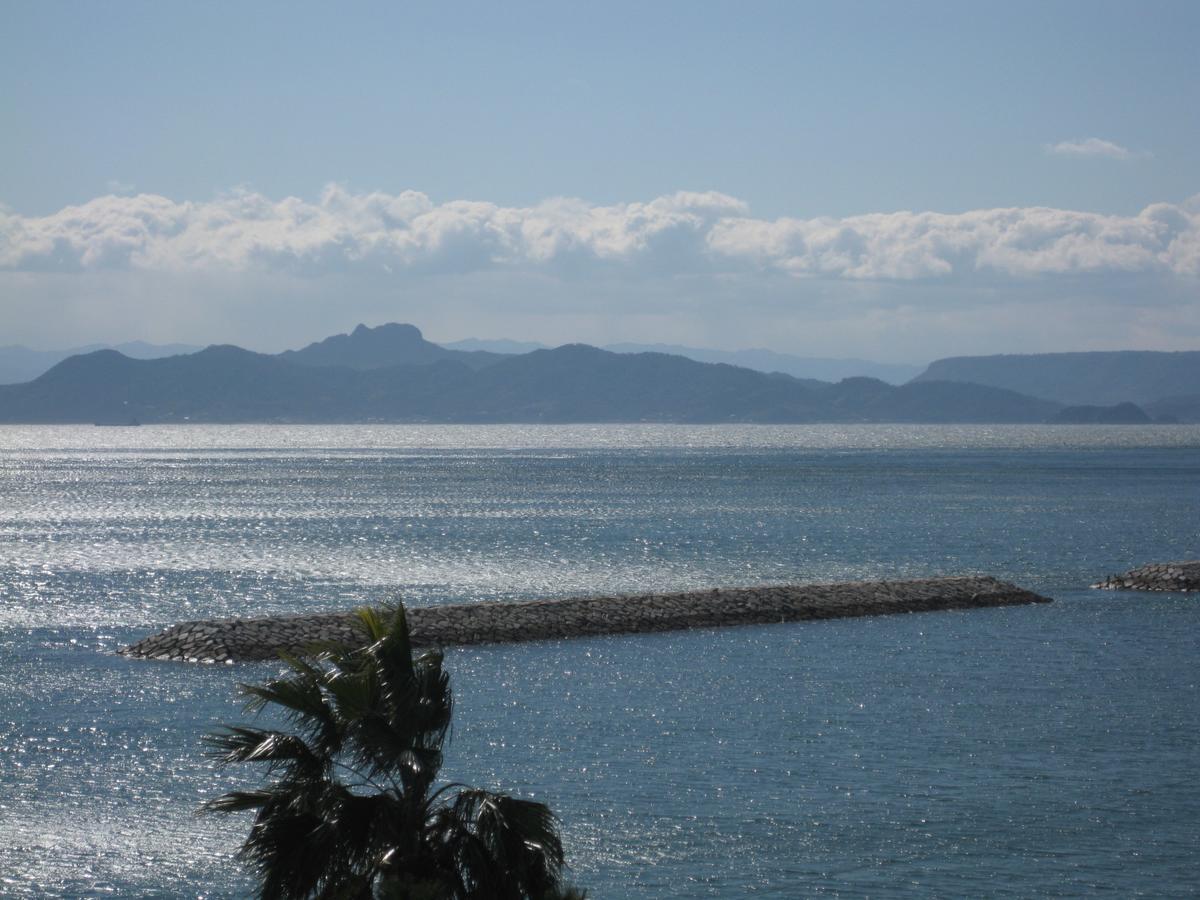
(392, 330)
(392, 344)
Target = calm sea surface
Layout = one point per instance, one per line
(1027, 752)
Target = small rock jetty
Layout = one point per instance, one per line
(1172, 576)
(230, 640)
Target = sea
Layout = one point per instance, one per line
(1041, 751)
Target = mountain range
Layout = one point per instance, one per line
(348, 379)
(809, 367)
(19, 363)
(1166, 385)
(1133, 376)
(392, 374)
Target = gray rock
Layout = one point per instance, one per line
(1174, 576)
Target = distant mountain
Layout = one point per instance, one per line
(1184, 408)
(216, 384)
(386, 345)
(1120, 414)
(496, 346)
(578, 383)
(364, 348)
(1106, 378)
(934, 402)
(19, 363)
(814, 367)
(143, 350)
(574, 383)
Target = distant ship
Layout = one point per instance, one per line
(129, 423)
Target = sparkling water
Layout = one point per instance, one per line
(1036, 751)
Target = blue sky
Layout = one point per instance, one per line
(145, 141)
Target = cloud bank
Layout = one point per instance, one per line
(683, 233)
(1092, 147)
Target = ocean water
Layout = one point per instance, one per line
(1039, 751)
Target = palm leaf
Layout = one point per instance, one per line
(238, 801)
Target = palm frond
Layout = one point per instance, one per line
(373, 623)
(238, 801)
(240, 743)
(296, 695)
(303, 700)
(512, 842)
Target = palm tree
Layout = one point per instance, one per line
(351, 810)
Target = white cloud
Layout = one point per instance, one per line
(1092, 147)
(681, 233)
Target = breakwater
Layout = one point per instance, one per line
(1172, 576)
(228, 640)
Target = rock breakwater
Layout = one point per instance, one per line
(228, 640)
(1172, 576)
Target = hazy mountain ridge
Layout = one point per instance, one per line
(1182, 408)
(498, 345)
(383, 346)
(808, 367)
(391, 373)
(1095, 378)
(20, 364)
(573, 383)
(761, 360)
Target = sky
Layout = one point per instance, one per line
(895, 181)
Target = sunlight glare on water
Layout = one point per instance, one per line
(1040, 751)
